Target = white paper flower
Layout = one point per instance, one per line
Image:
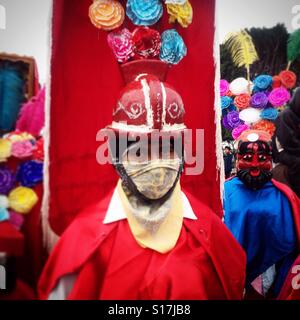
(4, 202)
(250, 115)
(240, 86)
(181, 2)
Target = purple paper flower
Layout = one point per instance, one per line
(279, 97)
(232, 120)
(259, 100)
(224, 87)
(269, 114)
(7, 180)
(30, 173)
(236, 132)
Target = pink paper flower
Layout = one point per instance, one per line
(22, 149)
(279, 97)
(236, 132)
(16, 219)
(224, 87)
(121, 44)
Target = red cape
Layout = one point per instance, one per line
(295, 205)
(87, 234)
(287, 291)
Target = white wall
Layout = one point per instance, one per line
(26, 31)
(27, 23)
(234, 15)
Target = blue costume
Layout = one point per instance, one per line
(262, 222)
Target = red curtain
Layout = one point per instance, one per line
(85, 81)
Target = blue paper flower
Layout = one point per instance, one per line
(232, 107)
(173, 48)
(262, 82)
(269, 114)
(226, 102)
(30, 173)
(144, 12)
(4, 215)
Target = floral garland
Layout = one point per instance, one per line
(21, 169)
(143, 42)
(147, 43)
(255, 104)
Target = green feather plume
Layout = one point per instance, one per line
(242, 50)
(293, 47)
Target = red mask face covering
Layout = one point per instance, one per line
(254, 164)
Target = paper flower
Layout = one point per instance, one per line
(279, 97)
(250, 115)
(106, 14)
(269, 114)
(276, 82)
(4, 202)
(19, 136)
(288, 79)
(4, 215)
(38, 152)
(236, 132)
(232, 120)
(146, 42)
(259, 100)
(240, 86)
(183, 13)
(263, 82)
(181, 2)
(121, 44)
(22, 200)
(224, 87)
(30, 173)
(16, 219)
(225, 102)
(242, 101)
(265, 125)
(7, 180)
(5, 149)
(144, 12)
(232, 107)
(173, 48)
(22, 149)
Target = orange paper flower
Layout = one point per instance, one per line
(242, 101)
(106, 14)
(265, 125)
(276, 82)
(288, 79)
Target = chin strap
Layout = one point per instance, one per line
(129, 185)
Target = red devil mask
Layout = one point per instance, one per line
(254, 159)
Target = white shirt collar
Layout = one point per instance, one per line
(116, 212)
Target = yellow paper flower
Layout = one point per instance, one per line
(22, 199)
(106, 14)
(22, 136)
(5, 149)
(182, 13)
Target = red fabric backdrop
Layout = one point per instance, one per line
(85, 81)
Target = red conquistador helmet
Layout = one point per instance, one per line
(148, 103)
